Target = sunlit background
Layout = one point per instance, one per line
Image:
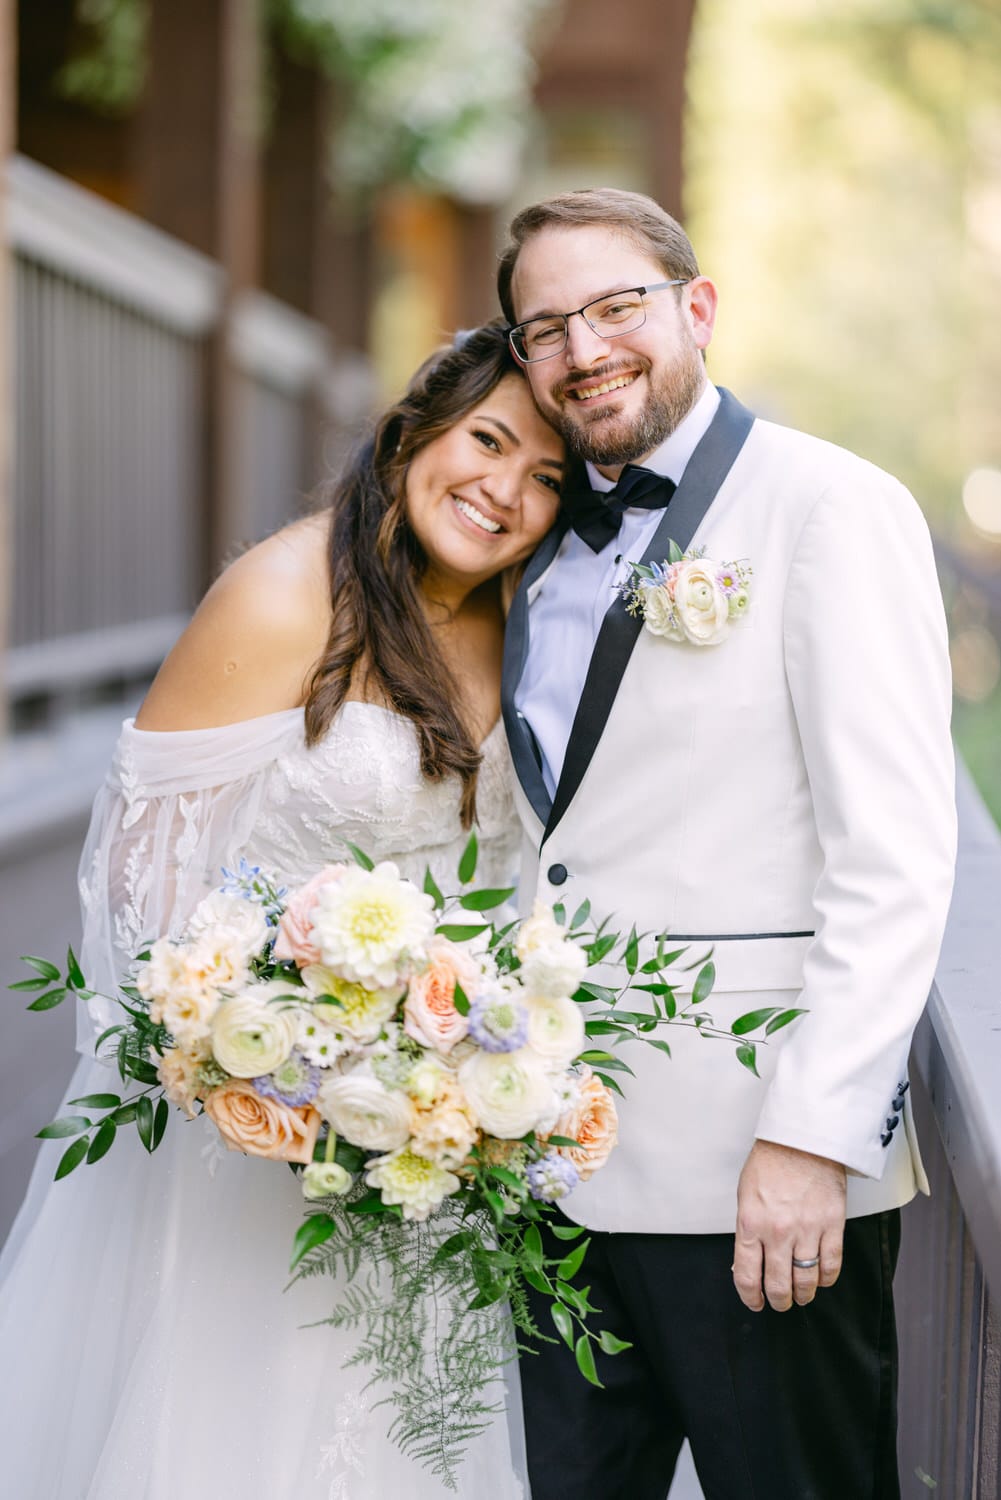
(232, 229)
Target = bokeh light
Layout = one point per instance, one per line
(982, 501)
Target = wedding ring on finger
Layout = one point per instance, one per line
(806, 1265)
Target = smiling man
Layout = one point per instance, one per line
(757, 761)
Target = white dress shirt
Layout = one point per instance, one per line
(576, 592)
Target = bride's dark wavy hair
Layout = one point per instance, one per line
(379, 634)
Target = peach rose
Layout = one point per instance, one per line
(593, 1122)
(178, 1072)
(262, 1127)
(295, 928)
(429, 1012)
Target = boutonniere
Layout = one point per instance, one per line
(689, 596)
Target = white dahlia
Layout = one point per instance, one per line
(372, 927)
(412, 1181)
(359, 1013)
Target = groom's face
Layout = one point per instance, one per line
(613, 400)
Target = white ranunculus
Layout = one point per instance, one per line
(540, 930)
(417, 1184)
(508, 1092)
(555, 1029)
(701, 605)
(372, 927)
(553, 971)
(660, 615)
(234, 917)
(253, 1034)
(365, 1112)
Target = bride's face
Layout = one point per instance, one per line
(483, 495)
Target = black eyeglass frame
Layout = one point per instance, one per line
(655, 286)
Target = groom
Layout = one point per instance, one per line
(783, 796)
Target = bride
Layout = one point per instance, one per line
(340, 682)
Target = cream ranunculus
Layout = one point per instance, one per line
(555, 1029)
(508, 1092)
(235, 919)
(554, 971)
(325, 1179)
(364, 1111)
(254, 1032)
(540, 930)
(262, 1127)
(359, 1014)
(412, 1181)
(701, 605)
(372, 927)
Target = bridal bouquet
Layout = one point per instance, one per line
(433, 1077)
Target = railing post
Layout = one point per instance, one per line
(8, 82)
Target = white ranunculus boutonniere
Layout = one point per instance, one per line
(689, 596)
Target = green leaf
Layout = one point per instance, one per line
(72, 1157)
(783, 1019)
(486, 900)
(674, 552)
(564, 1323)
(371, 1204)
(585, 1361)
(47, 970)
(702, 988)
(457, 932)
(509, 1179)
(160, 1122)
(49, 1000)
(97, 1101)
(606, 1060)
(63, 1126)
(103, 1141)
(610, 1344)
(571, 1264)
(537, 1279)
(74, 973)
(559, 913)
(609, 1082)
(753, 1019)
(661, 1046)
(467, 864)
(631, 955)
(594, 991)
(144, 1121)
(317, 1229)
(567, 1231)
(747, 1054)
(601, 949)
(360, 858)
(460, 999)
(126, 1114)
(532, 1244)
(563, 1140)
(38, 983)
(455, 1244)
(139, 1069)
(431, 889)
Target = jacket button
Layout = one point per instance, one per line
(897, 1104)
(886, 1138)
(556, 874)
(892, 1122)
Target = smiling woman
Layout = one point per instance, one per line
(392, 594)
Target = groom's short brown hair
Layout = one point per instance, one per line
(632, 214)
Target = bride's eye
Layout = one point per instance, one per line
(487, 439)
(550, 482)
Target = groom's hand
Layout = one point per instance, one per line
(789, 1204)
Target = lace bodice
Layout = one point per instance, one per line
(179, 806)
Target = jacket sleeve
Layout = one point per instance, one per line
(867, 665)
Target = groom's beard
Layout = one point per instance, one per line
(606, 438)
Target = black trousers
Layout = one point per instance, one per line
(799, 1405)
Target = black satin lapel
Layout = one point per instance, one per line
(519, 736)
(707, 468)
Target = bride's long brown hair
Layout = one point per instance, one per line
(379, 637)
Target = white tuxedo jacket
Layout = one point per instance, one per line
(785, 797)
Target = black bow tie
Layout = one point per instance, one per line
(596, 518)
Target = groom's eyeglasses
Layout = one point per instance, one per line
(609, 316)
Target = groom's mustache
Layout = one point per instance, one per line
(600, 374)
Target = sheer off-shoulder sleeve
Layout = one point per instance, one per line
(174, 809)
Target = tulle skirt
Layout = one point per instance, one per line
(149, 1351)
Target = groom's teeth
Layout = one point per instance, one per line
(477, 516)
(582, 392)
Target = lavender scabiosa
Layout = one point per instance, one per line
(294, 1082)
(498, 1023)
(552, 1177)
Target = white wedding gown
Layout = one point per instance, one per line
(148, 1349)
